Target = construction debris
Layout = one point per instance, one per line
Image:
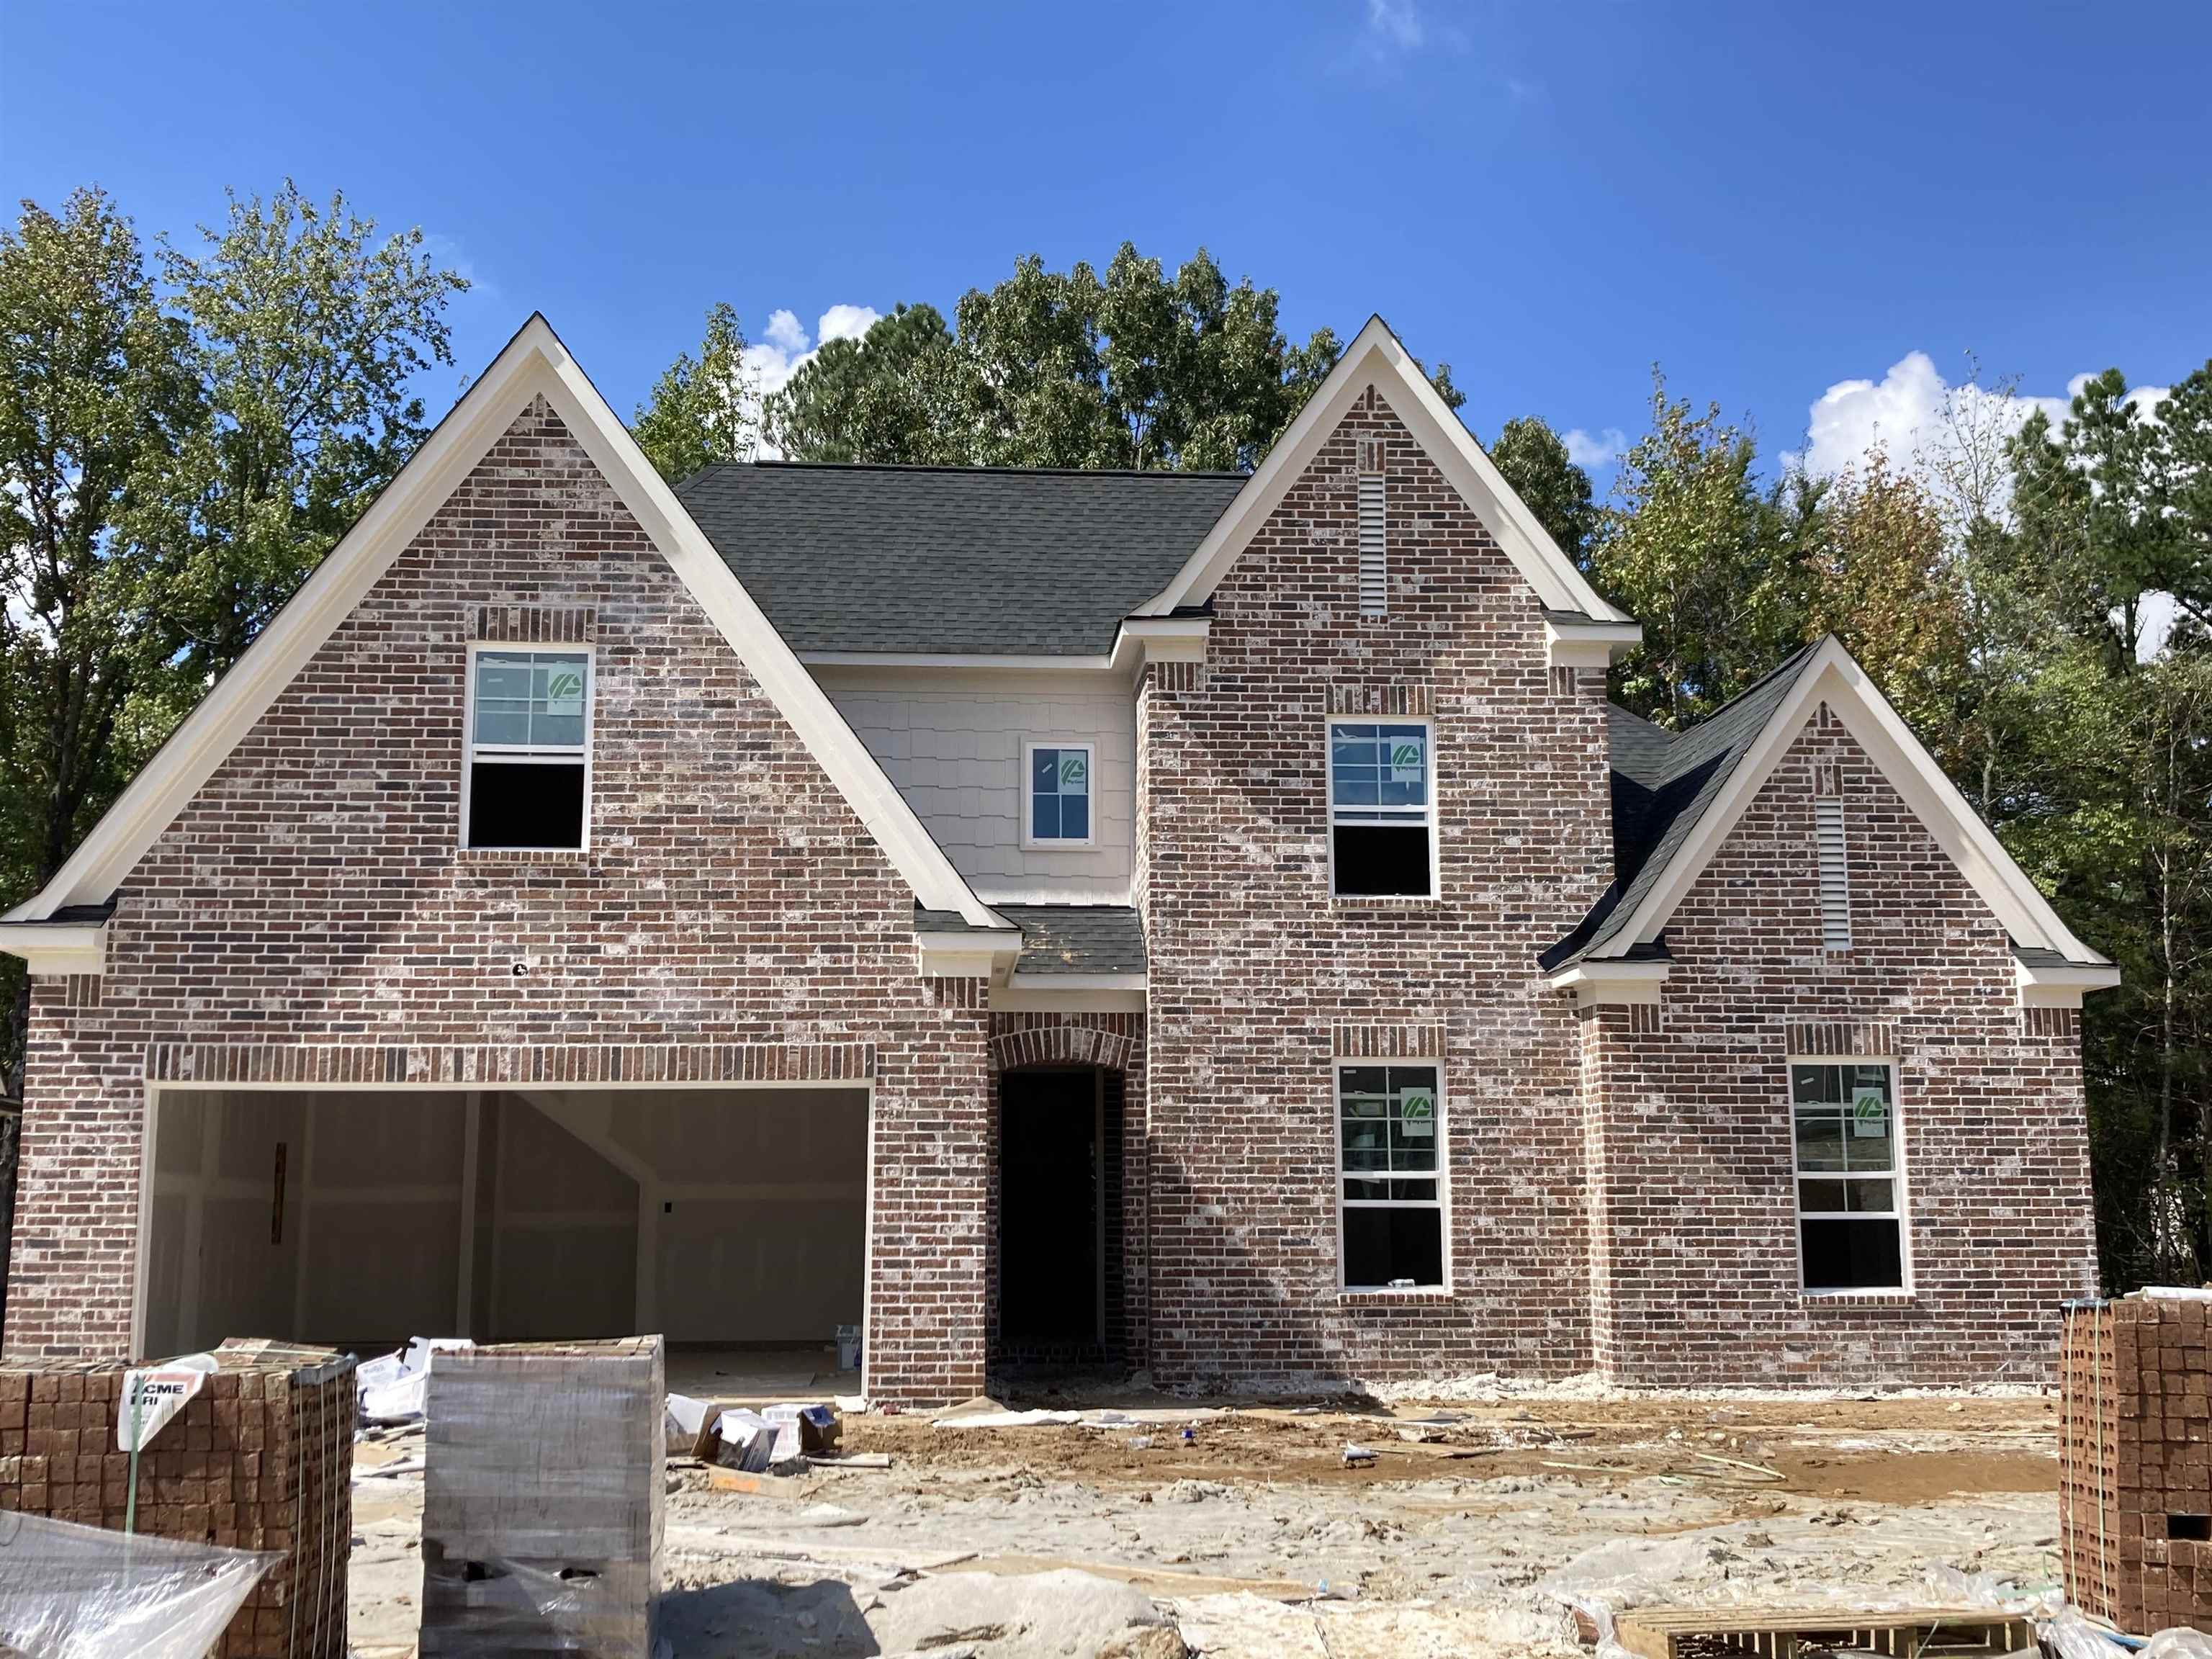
(67, 1589)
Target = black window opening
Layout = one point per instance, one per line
(1381, 809)
(1391, 1197)
(527, 804)
(1850, 1221)
(529, 738)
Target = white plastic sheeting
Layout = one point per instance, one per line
(72, 1592)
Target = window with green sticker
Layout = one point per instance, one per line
(1060, 804)
(1390, 1154)
(526, 766)
(1381, 811)
(1850, 1223)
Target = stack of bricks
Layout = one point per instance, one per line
(2135, 1462)
(262, 1459)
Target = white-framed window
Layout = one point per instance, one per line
(1382, 808)
(526, 747)
(1058, 806)
(1390, 1174)
(1849, 1160)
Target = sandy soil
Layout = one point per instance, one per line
(1253, 1540)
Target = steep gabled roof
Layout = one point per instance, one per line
(1675, 797)
(534, 363)
(1376, 357)
(937, 561)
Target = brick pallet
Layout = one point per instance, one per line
(261, 1459)
(542, 1501)
(2135, 1462)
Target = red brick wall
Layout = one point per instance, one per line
(1699, 1284)
(1253, 967)
(312, 895)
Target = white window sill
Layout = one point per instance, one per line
(1387, 901)
(1393, 1292)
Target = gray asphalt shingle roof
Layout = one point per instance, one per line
(1663, 783)
(952, 559)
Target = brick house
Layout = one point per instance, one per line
(1209, 924)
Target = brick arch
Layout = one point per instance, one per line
(1061, 1044)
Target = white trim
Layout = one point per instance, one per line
(2062, 986)
(1338, 1175)
(1375, 357)
(966, 956)
(1830, 677)
(1612, 982)
(1588, 645)
(1032, 842)
(1900, 1197)
(1138, 640)
(469, 749)
(50, 948)
(534, 363)
(1429, 820)
(1046, 993)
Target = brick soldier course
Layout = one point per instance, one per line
(1620, 1193)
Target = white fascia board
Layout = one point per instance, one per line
(1070, 994)
(1610, 981)
(966, 956)
(533, 363)
(1375, 357)
(2063, 987)
(1833, 677)
(51, 948)
(1161, 639)
(1588, 645)
(1138, 639)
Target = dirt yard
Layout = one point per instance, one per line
(1191, 1527)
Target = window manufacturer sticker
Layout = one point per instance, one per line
(1406, 764)
(1869, 1114)
(564, 690)
(1417, 1112)
(1074, 771)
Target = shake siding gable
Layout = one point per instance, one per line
(313, 894)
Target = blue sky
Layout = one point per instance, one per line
(1768, 200)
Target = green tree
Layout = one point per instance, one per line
(1534, 461)
(95, 398)
(891, 396)
(308, 330)
(1708, 563)
(700, 412)
(1127, 368)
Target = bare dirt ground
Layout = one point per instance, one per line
(1251, 1540)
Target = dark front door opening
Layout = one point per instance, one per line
(1049, 1211)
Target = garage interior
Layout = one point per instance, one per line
(733, 1221)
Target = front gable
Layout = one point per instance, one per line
(532, 393)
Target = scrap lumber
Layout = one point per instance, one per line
(1785, 1633)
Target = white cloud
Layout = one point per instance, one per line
(1912, 412)
(784, 349)
(1396, 24)
(1908, 411)
(1603, 450)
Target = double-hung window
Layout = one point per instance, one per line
(527, 766)
(1058, 810)
(1390, 1151)
(1382, 808)
(1850, 1211)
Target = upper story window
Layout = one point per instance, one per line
(1850, 1213)
(527, 771)
(1390, 1168)
(1382, 808)
(1058, 808)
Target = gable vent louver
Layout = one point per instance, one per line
(1835, 873)
(1374, 561)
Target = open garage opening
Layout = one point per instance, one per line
(732, 1221)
